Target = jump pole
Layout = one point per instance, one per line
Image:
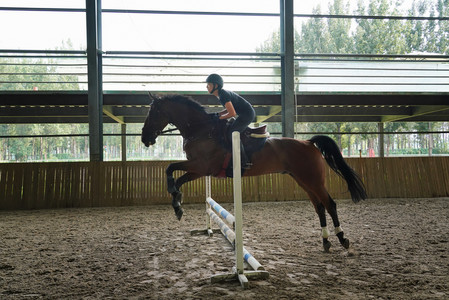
(234, 237)
(209, 230)
(237, 183)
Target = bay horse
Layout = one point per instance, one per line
(302, 160)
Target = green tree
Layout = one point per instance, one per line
(442, 39)
(26, 74)
(273, 43)
(314, 36)
(19, 74)
(379, 36)
(339, 29)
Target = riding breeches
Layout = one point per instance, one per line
(241, 122)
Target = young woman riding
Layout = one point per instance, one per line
(235, 107)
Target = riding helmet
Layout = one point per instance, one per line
(215, 78)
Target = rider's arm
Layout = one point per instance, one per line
(224, 111)
(229, 112)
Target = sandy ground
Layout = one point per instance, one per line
(399, 250)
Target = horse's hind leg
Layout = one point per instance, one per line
(332, 210)
(322, 201)
(320, 210)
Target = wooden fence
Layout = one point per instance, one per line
(90, 184)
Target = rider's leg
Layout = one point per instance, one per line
(244, 160)
(240, 124)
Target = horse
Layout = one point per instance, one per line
(303, 160)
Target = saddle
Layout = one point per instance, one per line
(257, 132)
(252, 138)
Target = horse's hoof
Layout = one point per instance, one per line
(327, 245)
(179, 212)
(345, 243)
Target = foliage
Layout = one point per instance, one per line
(371, 35)
(34, 74)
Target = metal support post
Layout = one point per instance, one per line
(380, 127)
(94, 74)
(287, 69)
(123, 131)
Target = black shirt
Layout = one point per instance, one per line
(241, 106)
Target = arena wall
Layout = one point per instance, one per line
(94, 184)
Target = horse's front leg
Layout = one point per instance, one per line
(174, 185)
(177, 195)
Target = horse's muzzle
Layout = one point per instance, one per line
(149, 143)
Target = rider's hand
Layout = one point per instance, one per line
(214, 116)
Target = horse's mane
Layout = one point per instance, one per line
(188, 101)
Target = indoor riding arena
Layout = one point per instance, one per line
(89, 211)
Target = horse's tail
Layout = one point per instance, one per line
(335, 160)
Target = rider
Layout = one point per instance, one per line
(235, 106)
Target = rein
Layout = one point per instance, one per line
(174, 129)
(169, 130)
(189, 124)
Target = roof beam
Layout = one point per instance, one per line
(343, 110)
(417, 111)
(108, 111)
(373, 99)
(50, 111)
(300, 119)
(273, 110)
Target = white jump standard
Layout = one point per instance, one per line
(235, 237)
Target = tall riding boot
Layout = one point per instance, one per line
(246, 164)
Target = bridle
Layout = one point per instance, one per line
(159, 132)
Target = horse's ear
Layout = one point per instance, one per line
(153, 98)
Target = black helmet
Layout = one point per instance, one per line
(215, 78)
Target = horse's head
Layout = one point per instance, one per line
(155, 122)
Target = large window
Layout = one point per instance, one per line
(35, 26)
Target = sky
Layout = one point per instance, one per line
(144, 32)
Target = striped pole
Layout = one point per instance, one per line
(227, 232)
(252, 261)
(221, 211)
(230, 236)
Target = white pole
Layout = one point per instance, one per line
(237, 183)
(208, 195)
(234, 237)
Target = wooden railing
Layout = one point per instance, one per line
(90, 184)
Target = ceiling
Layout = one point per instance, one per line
(131, 107)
